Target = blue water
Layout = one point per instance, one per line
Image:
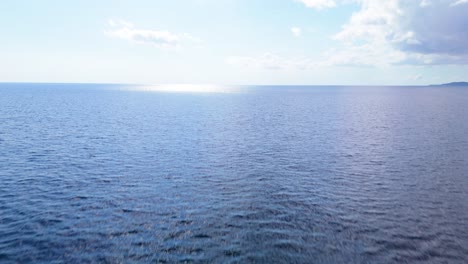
(114, 173)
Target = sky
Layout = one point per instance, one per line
(246, 42)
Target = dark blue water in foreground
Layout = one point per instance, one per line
(103, 173)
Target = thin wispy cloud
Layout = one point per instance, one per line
(425, 3)
(296, 31)
(415, 77)
(272, 61)
(459, 2)
(318, 4)
(158, 38)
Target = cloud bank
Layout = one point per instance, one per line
(406, 32)
(386, 32)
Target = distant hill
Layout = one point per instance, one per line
(458, 84)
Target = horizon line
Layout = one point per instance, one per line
(201, 84)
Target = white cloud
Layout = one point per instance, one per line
(159, 38)
(459, 2)
(318, 4)
(297, 32)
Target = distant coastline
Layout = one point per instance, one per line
(457, 84)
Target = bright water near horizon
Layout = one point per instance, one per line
(109, 173)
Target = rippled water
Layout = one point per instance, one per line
(103, 173)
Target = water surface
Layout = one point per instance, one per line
(111, 173)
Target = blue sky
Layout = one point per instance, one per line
(348, 42)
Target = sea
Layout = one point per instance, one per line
(113, 173)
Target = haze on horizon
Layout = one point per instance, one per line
(343, 42)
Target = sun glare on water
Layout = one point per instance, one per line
(186, 88)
